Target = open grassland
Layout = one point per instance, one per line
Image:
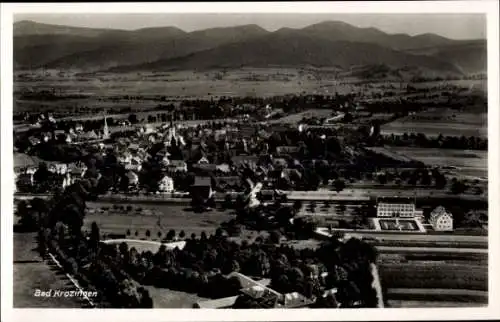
(31, 273)
(155, 218)
(434, 122)
(467, 162)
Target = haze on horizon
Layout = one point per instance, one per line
(454, 26)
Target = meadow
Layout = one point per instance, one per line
(434, 122)
(153, 217)
(468, 162)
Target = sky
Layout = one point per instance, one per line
(455, 26)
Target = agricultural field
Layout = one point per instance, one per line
(434, 122)
(432, 304)
(152, 217)
(192, 84)
(433, 275)
(467, 162)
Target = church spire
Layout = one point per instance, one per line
(106, 129)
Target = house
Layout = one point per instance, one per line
(91, 135)
(202, 188)
(441, 220)
(34, 141)
(177, 166)
(206, 167)
(79, 127)
(224, 168)
(67, 181)
(203, 160)
(248, 160)
(133, 178)
(166, 184)
(77, 170)
(280, 163)
(226, 183)
(285, 149)
(396, 207)
(58, 168)
(24, 182)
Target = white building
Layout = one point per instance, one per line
(396, 208)
(67, 181)
(441, 220)
(166, 184)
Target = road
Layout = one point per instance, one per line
(414, 250)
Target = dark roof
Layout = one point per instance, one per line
(396, 200)
(245, 158)
(205, 166)
(202, 182)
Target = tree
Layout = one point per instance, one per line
(171, 234)
(274, 237)
(148, 233)
(128, 232)
(95, 235)
(203, 236)
(458, 187)
(132, 118)
(182, 234)
(339, 185)
(228, 201)
(159, 234)
(136, 233)
(297, 205)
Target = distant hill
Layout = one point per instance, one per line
(335, 44)
(100, 49)
(336, 30)
(470, 56)
(286, 49)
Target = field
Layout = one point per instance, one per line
(171, 217)
(31, 273)
(468, 162)
(193, 84)
(432, 275)
(297, 118)
(436, 121)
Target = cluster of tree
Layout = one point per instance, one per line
(199, 267)
(413, 177)
(60, 231)
(441, 142)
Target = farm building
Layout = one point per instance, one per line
(441, 220)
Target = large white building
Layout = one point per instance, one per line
(441, 220)
(398, 207)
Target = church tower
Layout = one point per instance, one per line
(106, 129)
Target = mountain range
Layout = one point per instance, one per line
(328, 44)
